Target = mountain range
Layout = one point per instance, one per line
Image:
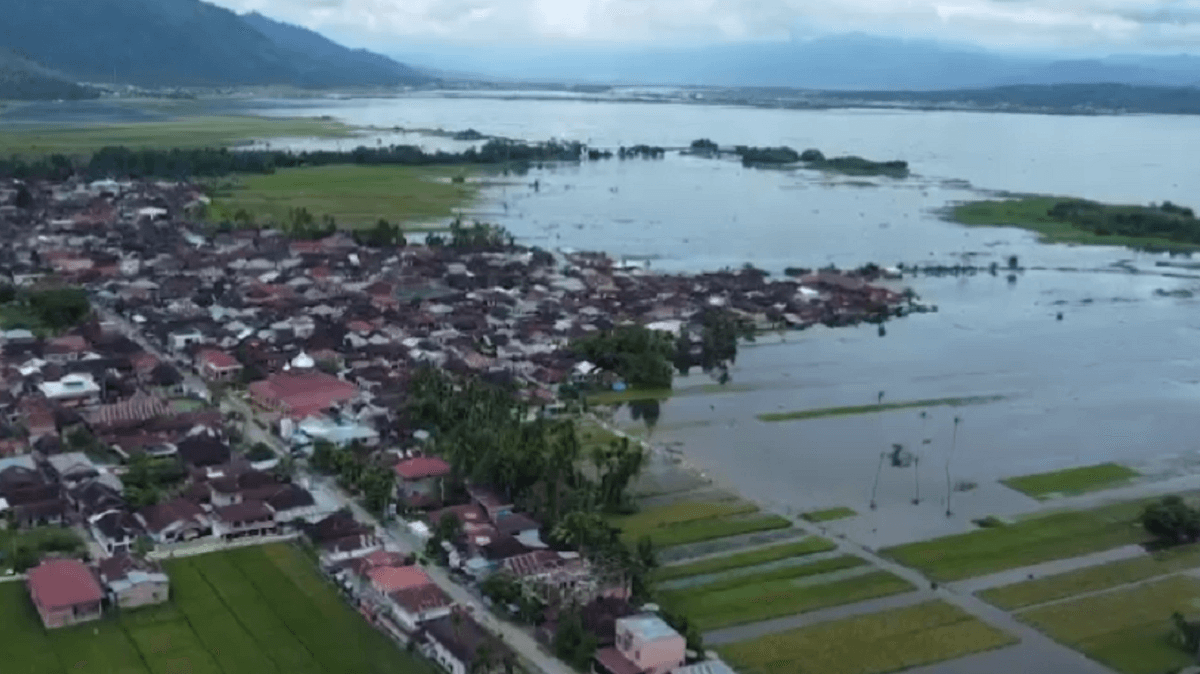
(836, 62)
(185, 43)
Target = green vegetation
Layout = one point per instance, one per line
(1071, 481)
(21, 550)
(884, 407)
(872, 644)
(1093, 579)
(260, 609)
(1129, 630)
(44, 311)
(190, 132)
(1065, 220)
(639, 356)
(695, 521)
(808, 546)
(1039, 539)
(355, 474)
(829, 514)
(1171, 521)
(780, 593)
(354, 196)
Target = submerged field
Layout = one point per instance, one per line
(185, 132)
(884, 407)
(1071, 481)
(262, 609)
(871, 644)
(355, 196)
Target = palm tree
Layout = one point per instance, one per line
(953, 444)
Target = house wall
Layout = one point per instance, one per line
(443, 657)
(70, 615)
(656, 657)
(409, 621)
(424, 487)
(143, 594)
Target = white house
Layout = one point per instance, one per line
(72, 389)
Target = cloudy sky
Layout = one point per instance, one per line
(1067, 25)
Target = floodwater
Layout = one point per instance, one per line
(1116, 379)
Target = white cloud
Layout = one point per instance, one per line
(1115, 24)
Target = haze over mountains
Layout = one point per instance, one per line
(838, 62)
(47, 46)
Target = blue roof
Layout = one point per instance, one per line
(649, 627)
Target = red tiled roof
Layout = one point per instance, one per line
(392, 578)
(421, 467)
(58, 583)
(219, 360)
(302, 395)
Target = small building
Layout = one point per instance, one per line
(175, 521)
(420, 480)
(340, 537)
(300, 395)
(131, 581)
(418, 604)
(644, 644)
(248, 518)
(65, 592)
(457, 642)
(217, 365)
(72, 468)
(72, 390)
(115, 531)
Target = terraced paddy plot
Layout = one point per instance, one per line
(871, 644)
(1093, 579)
(1072, 481)
(1129, 629)
(808, 546)
(263, 610)
(694, 521)
(781, 592)
(1031, 541)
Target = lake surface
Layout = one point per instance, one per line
(1118, 378)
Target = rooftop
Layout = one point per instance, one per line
(647, 627)
(57, 583)
(422, 467)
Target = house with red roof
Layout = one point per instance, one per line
(215, 365)
(419, 482)
(402, 591)
(65, 592)
(302, 394)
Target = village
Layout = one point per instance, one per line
(184, 411)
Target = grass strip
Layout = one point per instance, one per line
(884, 407)
(707, 530)
(1092, 579)
(648, 521)
(184, 133)
(1129, 630)
(1071, 481)
(840, 563)
(871, 644)
(774, 553)
(1031, 541)
(829, 514)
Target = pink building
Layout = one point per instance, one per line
(217, 365)
(644, 645)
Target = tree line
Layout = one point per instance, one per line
(177, 163)
(1165, 220)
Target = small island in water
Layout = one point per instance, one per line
(1164, 226)
(811, 158)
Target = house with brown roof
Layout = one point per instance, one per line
(458, 643)
(130, 581)
(216, 365)
(247, 518)
(175, 521)
(65, 592)
(340, 537)
(420, 481)
(412, 606)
